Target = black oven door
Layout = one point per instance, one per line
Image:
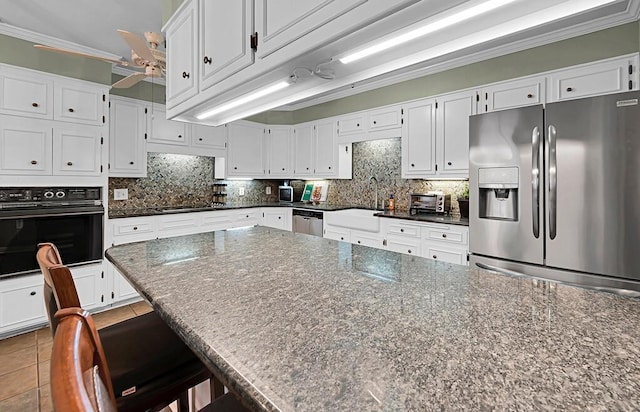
(76, 231)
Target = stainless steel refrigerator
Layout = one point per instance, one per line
(555, 191)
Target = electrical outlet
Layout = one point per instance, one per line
(241, 190)
(268, 190)
(120, 194)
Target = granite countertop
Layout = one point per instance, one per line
(397, 214)
(298, 322)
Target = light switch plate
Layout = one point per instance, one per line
(268, 190)
(120, 194)
(241, 190)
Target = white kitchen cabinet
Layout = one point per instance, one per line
(278, 151)
(385, 118)
(127, 138)
(358, 237)
(90, 284)
(245, 150)
(216, 220)
(166, 132)
(24, 93)
(26, 146)
(303, 145)
(325, 150)
(121, 289)
(337, 233)
(225, 39)
(246, 217)
(405, 245)
(604, 77)
(21, 303)
(351, 124)
(452, 133)
(209, 137)
(77, 150)
(133, 229)
(177, 224)
(277, 217)
(447, 243)
(511, 94)
(182, 45)
(418, 139)
(444, 254)
(79, 103)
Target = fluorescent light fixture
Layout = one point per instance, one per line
(244, 99)
(439, 24)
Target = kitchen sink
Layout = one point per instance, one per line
(359, 219)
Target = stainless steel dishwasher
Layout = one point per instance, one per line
(307, 221)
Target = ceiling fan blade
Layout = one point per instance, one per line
(75, 53)
(138, 45)
(129, 81)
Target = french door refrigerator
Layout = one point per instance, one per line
(555, 191)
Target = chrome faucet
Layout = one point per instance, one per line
(373, 178)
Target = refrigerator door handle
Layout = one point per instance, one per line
(553, 181)
(535, 180)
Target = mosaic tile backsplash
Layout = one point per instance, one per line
(179, 180)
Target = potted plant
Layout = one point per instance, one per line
(463, 200)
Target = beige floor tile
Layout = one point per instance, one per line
(43, 373)
(17, 382)
(18, 359)
(113, 316)
(17, 342)
(45, 399)
(26, 401)
(44, 351)
(140, 308)
(43, 336)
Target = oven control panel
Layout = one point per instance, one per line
(49, 194)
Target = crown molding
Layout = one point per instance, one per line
(40, 38)
(631, 14)
(123, 71)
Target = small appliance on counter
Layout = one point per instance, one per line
(289, 194)
(219, 197)
(431, 202)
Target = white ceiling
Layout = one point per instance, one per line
(90, 23)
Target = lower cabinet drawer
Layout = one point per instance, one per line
(407, 246)
(337, 234)
(177, 224)
(445, 255)
(247, 218)
(447, 234)
(363, 239)
(132, 227)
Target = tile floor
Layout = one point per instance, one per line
(24, 363)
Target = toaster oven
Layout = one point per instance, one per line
(437, 203)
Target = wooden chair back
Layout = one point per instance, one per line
(80, 380)
(59, 289)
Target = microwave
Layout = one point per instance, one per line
(438, 203)
(286, 194)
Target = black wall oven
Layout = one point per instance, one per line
(71, 218)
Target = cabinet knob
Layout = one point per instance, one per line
(207, 60)
(358, 242)
(402, 230)
(279, 217)
(374, 122)
(435, 257)
(413, 165)
(135, 228)
(200, 139)
(569, 89)
(449, 163)
(409, 250)
(283, 169)
(130, 163)
(179, 136)
(185, 75)
(33, 293)
(35, 104)
(69, 163)
(307, 168)
(34, 162)
(235, 168)
(529, 96)
(329, 167)
(341, 238)
(444, 235)
(71, 110)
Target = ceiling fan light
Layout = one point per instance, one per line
(426, 29)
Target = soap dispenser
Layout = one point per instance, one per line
(392, 202)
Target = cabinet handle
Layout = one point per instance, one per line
(357, 124)
(185, 75)
(435, 257)
(358, 242)
(374, 122)
(69, 163)
(444, 235)
(71, 110)
(33, 293)
(402, 230)
(34, 162)
(130, 163)
(449, 163)
(179, 136)
(200, 138)
(529, 96)
(413, 165)
(329, 167)
(307, 168)
(409, 250)
(35, 104)
(341, 238)
(135, 228)
(207, 60)
(279, 217)
(569, 89)
(283, 169)
(235, 168)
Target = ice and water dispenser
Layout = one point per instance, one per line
(498, 193)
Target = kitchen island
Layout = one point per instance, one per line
(296, 322)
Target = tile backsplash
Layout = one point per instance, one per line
(179, 180)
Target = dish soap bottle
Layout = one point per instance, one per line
(392, 202)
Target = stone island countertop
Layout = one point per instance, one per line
(297, 322)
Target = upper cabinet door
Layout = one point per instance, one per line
(127, 129)
(25, 146)
(165, 131)
(325, 149)
(225, 39)
(211, 137)
(245, 150)
(303, 150)
(79, 104)
(452, 131)
(279, 151)
(281, 22)
(77, 150)
(182, 43)
(516, 93)
(418, 139)
(26, 95)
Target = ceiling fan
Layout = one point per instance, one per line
(145, 56)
